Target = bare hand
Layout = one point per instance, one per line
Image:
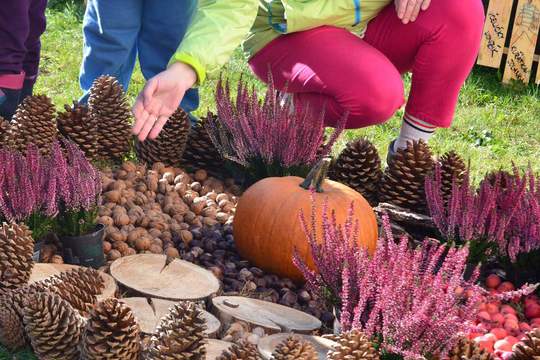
(160, 98)
(408, 10)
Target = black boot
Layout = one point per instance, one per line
(9, 100)
(27, 90)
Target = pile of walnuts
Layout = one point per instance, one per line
(150, 211)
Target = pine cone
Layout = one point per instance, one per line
(294, 348)
(404, 178)
(11, 329)
(111, 333)
(468, 350)
(4, 127)
(16, 250)
(109, 108)
(504, 177)
(353, 345)
(76, 125)
(528, 349)
(241, 351)
(180, 334)
(33, 123)
(79, 287)
(452, 166)
(53, 326)
(359, 167)
(200, 152)
(169, 146)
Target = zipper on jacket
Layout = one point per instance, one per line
(356, 12)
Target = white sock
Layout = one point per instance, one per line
(413, 129)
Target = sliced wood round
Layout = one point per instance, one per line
(214, 348)
(41, 271)
(154, 276)
(268, 344)
(149, 312)
(275, 317)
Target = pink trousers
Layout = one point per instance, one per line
(329, 68)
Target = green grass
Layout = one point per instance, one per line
(494, 125)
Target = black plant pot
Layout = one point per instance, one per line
(85, 250)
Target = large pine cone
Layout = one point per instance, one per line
(109, 107)
(452, 167)
(16, 250)
(33, 123)
(11, 329)
(180, 334)
(169, 146)
(404, 178)
(528, 349)
(200, 152)
(468, 350)
(79, 287)
(294, 348)
(53, 326)
(111, 333)
(359, 167)
(76, 125)
(4, 127)
(242, 351)
(353, 345)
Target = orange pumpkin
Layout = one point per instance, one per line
(267, 226)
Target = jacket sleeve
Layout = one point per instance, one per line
(218, 28)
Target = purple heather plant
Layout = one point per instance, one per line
(269, 136)
(410, 299)
(34, 187)
(503, 217)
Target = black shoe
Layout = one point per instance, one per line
(9, 100)
(391, 152)
(27, 90)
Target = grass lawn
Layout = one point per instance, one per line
(494, 126)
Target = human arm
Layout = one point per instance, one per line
(218, 28)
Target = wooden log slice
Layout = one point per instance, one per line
(268, 344)
(154, 276)
(41, 271)
(214, 348)
(149, 312)
(274, 317)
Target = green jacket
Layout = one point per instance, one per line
(220, 26)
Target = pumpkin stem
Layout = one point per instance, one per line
(317, 175)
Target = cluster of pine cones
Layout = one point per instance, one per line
(102, 129)
(402, 182)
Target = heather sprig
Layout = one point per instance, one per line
(268, 137)
(411, 299)
(502, 214)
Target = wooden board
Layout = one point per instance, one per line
(268, 344)
(214, 348)
(149, 274)
(523, 41)
(41, 271)
(274, 317)
(149, 312)
(495, 33)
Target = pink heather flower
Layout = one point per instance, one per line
(506, 216)
(249, 131)
(411, 299)
(525, 290)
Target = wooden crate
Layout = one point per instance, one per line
(512, 29)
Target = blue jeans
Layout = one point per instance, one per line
(116, 31)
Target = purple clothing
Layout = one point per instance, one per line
(21, 24)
